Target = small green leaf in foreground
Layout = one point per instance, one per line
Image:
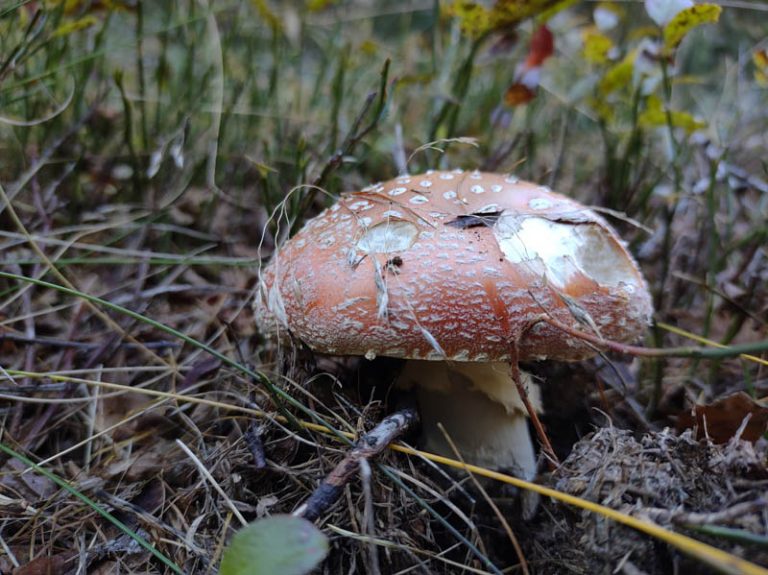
(279, 544)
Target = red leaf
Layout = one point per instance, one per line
(526, 83)
(542, 47)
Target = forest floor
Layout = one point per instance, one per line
(153, 152)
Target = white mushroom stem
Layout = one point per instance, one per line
(480, 409)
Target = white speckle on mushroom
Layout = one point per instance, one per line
(392, 214)
(403, 180)
(360, 205)
(370, 355)
(371, 187)
(437, 215)
(430, 172)
(512, 179)
(546, 189)
(458, 171)
(346, 304)
(419, 200)
(477, 189)
(476, 175)
(488, 208)
(389, 236)
(496, 188)
(365, 222)
(449, 195)
(425, 183)
(462, 355)
(335, 207)
(397, 191)
(345, 217)
(540, 204)
(446, 176)
(395, 352)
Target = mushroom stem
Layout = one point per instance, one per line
(481, 410)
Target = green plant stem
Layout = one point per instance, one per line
(686, 351)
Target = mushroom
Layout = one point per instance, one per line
(451, 270)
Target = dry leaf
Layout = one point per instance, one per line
(687, 20)
(722, 419)
(54, 565)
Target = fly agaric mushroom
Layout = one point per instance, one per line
(451, 270)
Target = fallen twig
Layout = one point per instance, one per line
(56, 342)
(691, 518)
(546, 445)
(636, 350)
(368, 446)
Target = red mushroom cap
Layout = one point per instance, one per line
(453, 265)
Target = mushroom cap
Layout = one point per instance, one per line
(453, 265)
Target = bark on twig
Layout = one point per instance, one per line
(546, 445)
(368, 446)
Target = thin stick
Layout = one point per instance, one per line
(639, 351)
(55, 342)
(207, 475)
(546, 445)
(368, 446)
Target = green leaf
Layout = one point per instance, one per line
(596, 46)
(655, 115)
(760, 60)
(278, 544)
(617, 76)
(71, 26)
(477, 20)
(688, 19)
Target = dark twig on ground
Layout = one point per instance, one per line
(368, 446)
(256, 446)
(65, 343)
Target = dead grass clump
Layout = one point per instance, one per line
(689, 485)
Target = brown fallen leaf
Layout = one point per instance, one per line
(54, 565)
(721, 419)
(15, 476)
